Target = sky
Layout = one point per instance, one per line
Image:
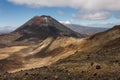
(94, 13)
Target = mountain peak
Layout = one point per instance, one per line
(45, 26)
(45, 16)
(41, 17)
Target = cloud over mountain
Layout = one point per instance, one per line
(96, 9)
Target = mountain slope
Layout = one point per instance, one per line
(39, 42)
(85, 29)
(38, 29)
(97, 59)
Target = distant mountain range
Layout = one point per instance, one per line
(85, 29)
(77, 28)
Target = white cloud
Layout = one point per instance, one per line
(5, 29)
(92, 16)
(92, 6)
(8, 28)
(65, 22)
(80, 4)
(102, 24)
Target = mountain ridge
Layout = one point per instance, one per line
(85, 29)
(97, 60)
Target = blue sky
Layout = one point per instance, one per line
(16, 12)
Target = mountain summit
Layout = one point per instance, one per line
(44, 26)
(38, 29)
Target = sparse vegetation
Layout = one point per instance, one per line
(64, 58)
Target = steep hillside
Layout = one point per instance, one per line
(97, 59)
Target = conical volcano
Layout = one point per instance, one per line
(39, 42)
(41, 27)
